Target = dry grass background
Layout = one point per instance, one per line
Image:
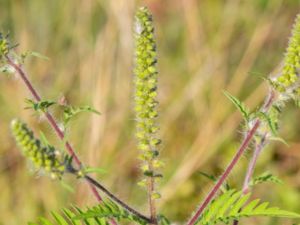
(205, 46)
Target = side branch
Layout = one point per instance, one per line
(250, 134)
(50, 118)
(116, 199)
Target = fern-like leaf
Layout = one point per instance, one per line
(97, 215)
(109, 209)
(233, 205)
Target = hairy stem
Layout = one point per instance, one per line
(116, 199)
(252, 164)
(243, 147)
(251, 167)
(53, 123)
(151, 200)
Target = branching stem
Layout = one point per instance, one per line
(243, 147)
(250, 170)
(258, 148)
(53, 123)
(116, 199)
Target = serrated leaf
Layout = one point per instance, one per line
(59, 219)
(69, 214)
(239, 105)
(71, 111)
(271, 123)
(109, 209)
(41, 106)
(265, 177)
(44, 221)
(234, 205)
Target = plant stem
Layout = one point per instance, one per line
(151, 200)
(49, 117)
(116, 199)
(251, 167)
(53, 123)
(243, 147)
(252, 164)
(92, 183)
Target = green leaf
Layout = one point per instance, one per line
(41, 106)
(279, 139)
(225, 187)
(39, 55)
(71, 111)
(239, 105)
(59, 219)
(67, 186)
(69, 214)
(265, 177)
(233, 205)
(271, 123)
(44, 139)
(24, 55)
(109, 209)
(94, 170)
(162, 220)
(44, 221)
(7, 69)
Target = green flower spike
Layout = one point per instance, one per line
(4, 46)
(146, 92)
(289, 77)
(43, 157)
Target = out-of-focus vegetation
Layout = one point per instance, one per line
(204, 47)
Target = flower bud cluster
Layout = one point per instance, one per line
(4, 46)
(146, 93)
(42, 157)
(287, 83)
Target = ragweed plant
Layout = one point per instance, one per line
(43, 157)
(146, 103)
(287, 83)
(260, 126)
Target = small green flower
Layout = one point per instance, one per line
(146, 76)
(146, 83)
(4, 46)
(289, 77)
(43, 157)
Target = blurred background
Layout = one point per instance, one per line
(205, 47)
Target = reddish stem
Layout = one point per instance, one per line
(50, 118)
(91, 182)
(251, 167)
(250, 134)
(226, 173)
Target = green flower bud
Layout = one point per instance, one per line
(289, 76)
(146, 79)
(43, 157)
(145, 82)
(4, 46)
